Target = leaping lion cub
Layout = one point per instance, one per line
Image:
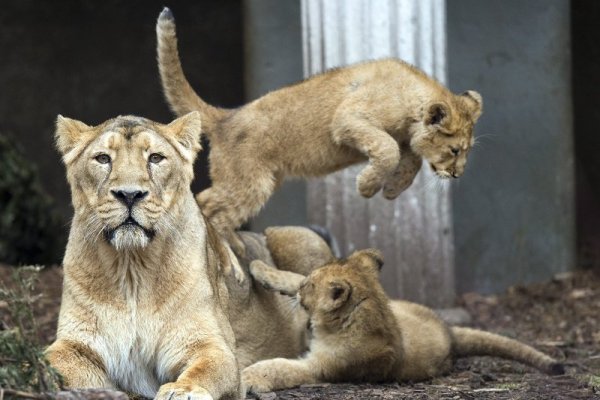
(144, 305)
(359, 335)
(387, 112)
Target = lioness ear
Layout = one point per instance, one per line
(475, 103)
(187, 130)
(372, 259)
(437, 114)
(68, 133)
(339, 293)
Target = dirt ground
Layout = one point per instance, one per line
(560, 317)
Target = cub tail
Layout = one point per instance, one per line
(473, 342)
(181, 98)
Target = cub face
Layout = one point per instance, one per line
(328, 288)
(127, 175)
(444, 137)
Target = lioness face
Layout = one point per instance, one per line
(127, 175)
(445, 135)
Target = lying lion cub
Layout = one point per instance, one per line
(359, 335)
(144, 305)
(387, 112)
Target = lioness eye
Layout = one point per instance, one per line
(455, 150)
(155, 158)
(103, 158)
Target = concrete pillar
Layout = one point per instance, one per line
(272, 59)
(415, 230)
(513, 208)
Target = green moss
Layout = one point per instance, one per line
(594, 382)
(29, 225)
(22, 362)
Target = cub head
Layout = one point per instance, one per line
(128, 175)
(444, 135)
(343, 282)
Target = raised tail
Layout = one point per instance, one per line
(181, 98)
(473, 342)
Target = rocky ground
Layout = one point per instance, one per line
(560, 317)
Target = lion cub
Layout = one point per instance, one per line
(359, 335)
(387, 112)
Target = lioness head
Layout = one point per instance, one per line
(348, 281)
(127, 175)
(444, 136)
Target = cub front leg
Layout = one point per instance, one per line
(271, 278)
(375, 143)
(79, 365)
(410, 164)
(211, 373)
(278, 373)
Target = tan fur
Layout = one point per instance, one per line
(359, 335)
(145, 306)
(387, 112)
(266, 324)
(297, 249)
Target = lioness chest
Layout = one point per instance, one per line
(137, 349)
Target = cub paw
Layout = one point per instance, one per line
(255, 380)
(260, 272)
(368, 182)
(175, 391)
(391, 190)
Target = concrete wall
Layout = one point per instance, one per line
(513, 208)
(93, 60)
(273, 58)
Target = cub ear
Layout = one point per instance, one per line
(474, 102)
(371, 259)
(68, 133)
(437, 114)
(187, 131)
(339, 293)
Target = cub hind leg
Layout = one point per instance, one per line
(231, 202)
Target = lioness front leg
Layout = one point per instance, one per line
(381, 149)
(211, 373)
(410, 164)
(79, 365)
(279, 373)
(272, 278)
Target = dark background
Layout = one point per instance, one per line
(94, 60)
(585, 32)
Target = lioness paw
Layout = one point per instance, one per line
(255, 380)
(175, 391)
(368, 182)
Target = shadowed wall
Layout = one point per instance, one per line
(93, 60)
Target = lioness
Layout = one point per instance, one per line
(144, 305)
(359, 335)
(387, 112)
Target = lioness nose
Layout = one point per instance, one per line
(129, 198)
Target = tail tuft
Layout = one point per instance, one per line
(181, 97)
(556, 369)
(166, 15)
